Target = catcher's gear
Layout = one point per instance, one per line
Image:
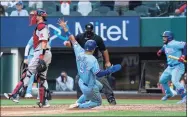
(44, 93)
(34, 14)
(114, 68)
(90, 45)
(22, 92)
(169, 35)
(41, 66)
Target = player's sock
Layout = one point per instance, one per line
(42, 95)
(18, 87)
(182, 92)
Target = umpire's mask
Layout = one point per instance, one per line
(89, 30)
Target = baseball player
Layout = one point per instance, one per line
(175, 68)
(29, 51)
(40, 61)
(88, 70)
(102, 56)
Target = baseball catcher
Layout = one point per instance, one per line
(39, 63)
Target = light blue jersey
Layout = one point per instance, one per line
(87, 65)
(173, 48)
(175, 69)
(31, 50)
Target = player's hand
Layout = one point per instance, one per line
(182, 58)
(67, 43)
(63, 24)
(26, 61)
(159, 53)
(108, 64)
(114, 68)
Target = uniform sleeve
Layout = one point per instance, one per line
(100, 44)
(95, 67)
(179, 44)
(28, 47)
(77, 48)
(44, 33)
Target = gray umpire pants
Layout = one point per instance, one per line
(107, 90)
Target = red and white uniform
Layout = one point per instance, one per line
(41, 33)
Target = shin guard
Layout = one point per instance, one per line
(42, 95)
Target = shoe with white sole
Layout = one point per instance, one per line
(166, 97)
(183, 101)
(28, 95)
(73, 106)
(46, 105)
(10, 97)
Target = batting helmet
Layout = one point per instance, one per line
(90, 45)
(41, 66)
(168, 34)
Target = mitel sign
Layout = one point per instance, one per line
(115, 31)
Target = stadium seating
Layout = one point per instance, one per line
(130, 13)
(103, 10)
(94, 13)
(112, 13)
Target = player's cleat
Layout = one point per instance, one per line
(7, 95)
(73, 106)
(10, 97)
(183, 101)
(28, 95)
(40, 104)
(46, 104)
(112, 100)
(166, 97)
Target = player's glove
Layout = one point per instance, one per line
(159, 53)
(114, 68)
(182, 58)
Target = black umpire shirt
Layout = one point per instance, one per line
(81, 39)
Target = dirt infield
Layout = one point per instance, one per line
(62, 109)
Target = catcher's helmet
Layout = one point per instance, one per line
(41, 66)
(34, 14)
(168, 34)
(90, 45)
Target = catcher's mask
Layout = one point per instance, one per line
(41, 66)
(34, 14)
